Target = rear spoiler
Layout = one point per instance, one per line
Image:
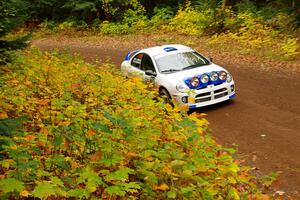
(130, 54)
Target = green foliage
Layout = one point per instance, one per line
(12, 14)
(84, 7)
(251, 26)
(91, 133)
(49, 188)
(133, 20)
(11, 185)
(251, 32)
(111, 28)
(246, 6)
(79, 193)
(8, 127)
(72, 23)
(162, 13)
(48, 25)
(290, 49)
(161, 16)
(268, 180)
(188, 21)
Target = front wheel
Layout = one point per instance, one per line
(164, 94)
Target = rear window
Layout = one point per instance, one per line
(137, 60)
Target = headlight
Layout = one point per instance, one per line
(229, 78)
(214, 76)
(195, 82)
(204, 78)
(223, 75)
(182, 87)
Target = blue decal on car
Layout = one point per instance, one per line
(192, 106)
(168, 49)
(130, 54)
(187, 81)
(232, 96)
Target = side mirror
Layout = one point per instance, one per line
(150, 73)
(210, 59)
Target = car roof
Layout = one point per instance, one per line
(165, 49)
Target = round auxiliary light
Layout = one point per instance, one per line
(229, 78)
(181, 87)
(214, 76)
(223, 75)
(195, 82)
(204, 78)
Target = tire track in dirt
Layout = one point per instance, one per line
(263, 120)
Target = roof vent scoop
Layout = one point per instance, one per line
(168, 49)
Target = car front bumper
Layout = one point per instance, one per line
(212, 94)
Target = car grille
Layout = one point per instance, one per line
(220, 95)
(220, 90)
(207, 96)
(203, 94)
(203, 100)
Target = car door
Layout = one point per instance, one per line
(140, 63)
(147, 65)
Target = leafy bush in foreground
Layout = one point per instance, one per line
(88, 132)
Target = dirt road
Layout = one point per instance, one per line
(263, 120)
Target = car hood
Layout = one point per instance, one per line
(181, 75)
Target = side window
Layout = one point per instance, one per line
(137, 60)
(147, 63)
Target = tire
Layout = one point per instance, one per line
(164, 94)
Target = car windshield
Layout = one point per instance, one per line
(180, 61)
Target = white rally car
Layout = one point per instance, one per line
(181, 74)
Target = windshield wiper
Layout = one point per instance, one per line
(194, 66)
(171, 70)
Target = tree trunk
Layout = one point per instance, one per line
(293, 4)
(224, 3)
